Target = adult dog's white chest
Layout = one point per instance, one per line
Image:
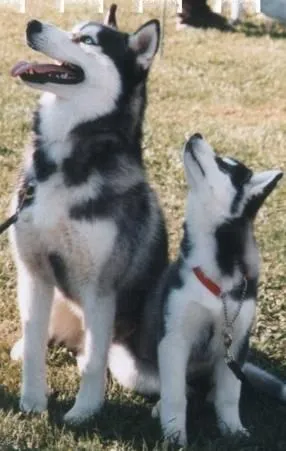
(45, 228)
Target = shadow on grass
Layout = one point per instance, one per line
(264, 417)
(8, 401)
(251, 29)
(124, 421)
(129, 421)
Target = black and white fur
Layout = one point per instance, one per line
(184, 321)
(93, 235)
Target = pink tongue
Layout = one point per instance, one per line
(23, 67)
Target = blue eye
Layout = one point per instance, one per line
(87, 40)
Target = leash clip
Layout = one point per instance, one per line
(228, 357)
(227, 341)
(227, 337)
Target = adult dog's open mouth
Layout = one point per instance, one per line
(61, 73)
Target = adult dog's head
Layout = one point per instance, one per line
(93, 60)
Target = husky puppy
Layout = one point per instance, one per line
(206, 295)
(92, 233)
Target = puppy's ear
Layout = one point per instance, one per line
(261, 185)
(145, 42)
(110, 18)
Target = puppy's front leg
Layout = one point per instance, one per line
(98, 321)
(226, 399)
(173, 356)
(34, 297)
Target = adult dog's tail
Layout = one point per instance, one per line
(265, 382)
(133, 373)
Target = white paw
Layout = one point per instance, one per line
(79, 414)
(17, 350)
(233, 428)
(174, 427)
(175, 435)
(33, 402)
(155, 413)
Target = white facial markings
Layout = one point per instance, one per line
(78, 27)
(91, 30)
(96, 95)
(230, 161)
(214, 188)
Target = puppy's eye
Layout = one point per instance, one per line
(87, 40)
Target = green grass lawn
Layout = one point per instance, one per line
(230, 87)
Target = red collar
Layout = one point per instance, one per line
(208, 283)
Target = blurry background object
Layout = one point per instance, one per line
(199, 14)
(276, 9)
(237, 7)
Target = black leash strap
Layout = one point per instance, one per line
(233, 365)
(237, 371)
(267, 402)
(5, 225)
(25, 194)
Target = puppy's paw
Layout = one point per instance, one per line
(233, 429)
(17, 351)
(33, 402)
(175, 436)
(174, 429)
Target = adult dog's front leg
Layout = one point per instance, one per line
(98, 320)
(173, 357)
(226, 399)
(35, 298)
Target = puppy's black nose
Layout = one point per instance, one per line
(34, 26)
(197, 136)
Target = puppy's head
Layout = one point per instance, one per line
(224, 188)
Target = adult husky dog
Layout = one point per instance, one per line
(206, 297)
(92, 231)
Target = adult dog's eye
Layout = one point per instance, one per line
(87, 40)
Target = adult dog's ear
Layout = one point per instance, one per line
(110, 18)
(261, 185)
(145, 43)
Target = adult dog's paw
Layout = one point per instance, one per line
(33, 402)
(77, 415)
(17, 350)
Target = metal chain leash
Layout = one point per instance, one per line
(228, 324)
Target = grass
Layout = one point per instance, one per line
(231, 87)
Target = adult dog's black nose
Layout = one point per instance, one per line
(34, 26)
